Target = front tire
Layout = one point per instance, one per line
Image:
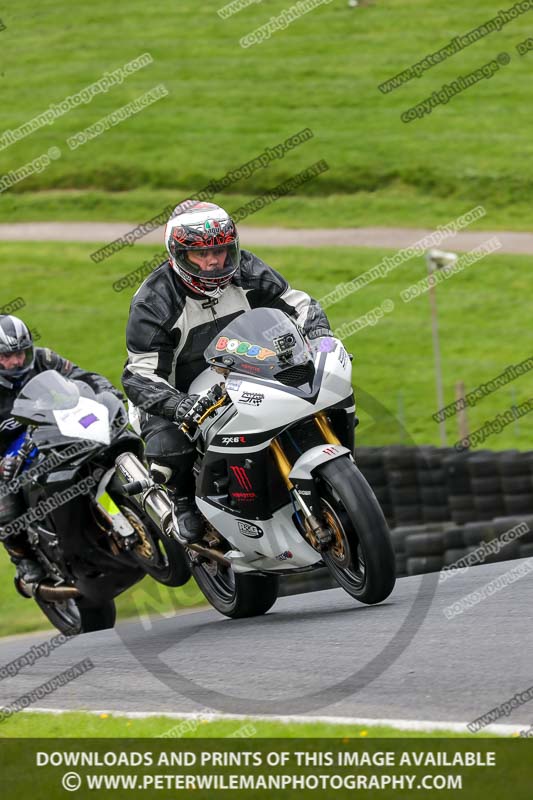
(362, 558)
(236, 595)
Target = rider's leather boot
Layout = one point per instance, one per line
(188, 519)
(28, 569)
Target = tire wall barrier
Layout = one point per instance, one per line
(442, 505)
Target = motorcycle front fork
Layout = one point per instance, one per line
(319, 535)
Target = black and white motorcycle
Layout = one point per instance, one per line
(91, 542)
(276, 478)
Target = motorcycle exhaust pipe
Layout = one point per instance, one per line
(149, 498)
(137, 484)
(49, 593)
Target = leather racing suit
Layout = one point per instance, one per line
(169, 328)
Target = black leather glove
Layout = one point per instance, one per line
(8, 467)
(192, 407)
(184, 407)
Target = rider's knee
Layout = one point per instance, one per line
(11, 507)
(169, 450)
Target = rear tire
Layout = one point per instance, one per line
(159, 556)
(363, 560)
(236, 595)
(97, 618)
(73, 617)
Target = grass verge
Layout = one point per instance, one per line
(225, 104)
(83, 725)
(399, 205)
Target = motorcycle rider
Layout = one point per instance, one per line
(19, 362)
(206, 282)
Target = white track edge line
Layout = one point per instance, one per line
(399, 724)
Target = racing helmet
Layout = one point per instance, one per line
(15, 338)
(198, 226)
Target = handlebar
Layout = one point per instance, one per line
(186, 425)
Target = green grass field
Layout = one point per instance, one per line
(72, 304)
(398, 205)
(227, 104)
(34, 726)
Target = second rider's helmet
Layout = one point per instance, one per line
(15, 338)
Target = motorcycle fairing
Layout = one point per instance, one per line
(89, 419)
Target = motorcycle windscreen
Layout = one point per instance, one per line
(44, 394)
(49, 398)
(263, 341)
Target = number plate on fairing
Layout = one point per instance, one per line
(87, 420)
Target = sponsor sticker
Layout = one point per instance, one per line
(212, 226)
(327, 345)
(242, 478)
(248, 529)
(234, 440)
(10, 424)
(243, 348)
(251, 398)
(87, 420)
(343, 356)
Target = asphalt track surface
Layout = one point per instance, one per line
(318, 653)
(394, 238)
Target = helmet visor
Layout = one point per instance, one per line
(209, 264)
(16, 362)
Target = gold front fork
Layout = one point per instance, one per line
(317, 534)
(284, 465)
(325, 429)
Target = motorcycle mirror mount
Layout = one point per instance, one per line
(225, 371)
